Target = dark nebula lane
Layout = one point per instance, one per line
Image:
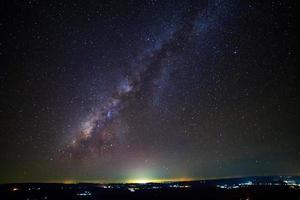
(94, 138)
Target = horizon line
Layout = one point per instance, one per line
(141, 181)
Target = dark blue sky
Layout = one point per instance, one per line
(112, 91)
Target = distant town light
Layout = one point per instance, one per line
(85, 193)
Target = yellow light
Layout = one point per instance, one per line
(15, 189)
(144, 180)
(69, 182)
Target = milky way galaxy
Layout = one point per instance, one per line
(148, 90)
(97, 132)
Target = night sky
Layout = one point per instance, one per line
(116, 91)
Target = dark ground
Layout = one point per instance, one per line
(63, 191)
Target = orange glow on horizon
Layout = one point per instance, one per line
(144, 180)
(136, 180)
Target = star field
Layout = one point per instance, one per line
(119, 90)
